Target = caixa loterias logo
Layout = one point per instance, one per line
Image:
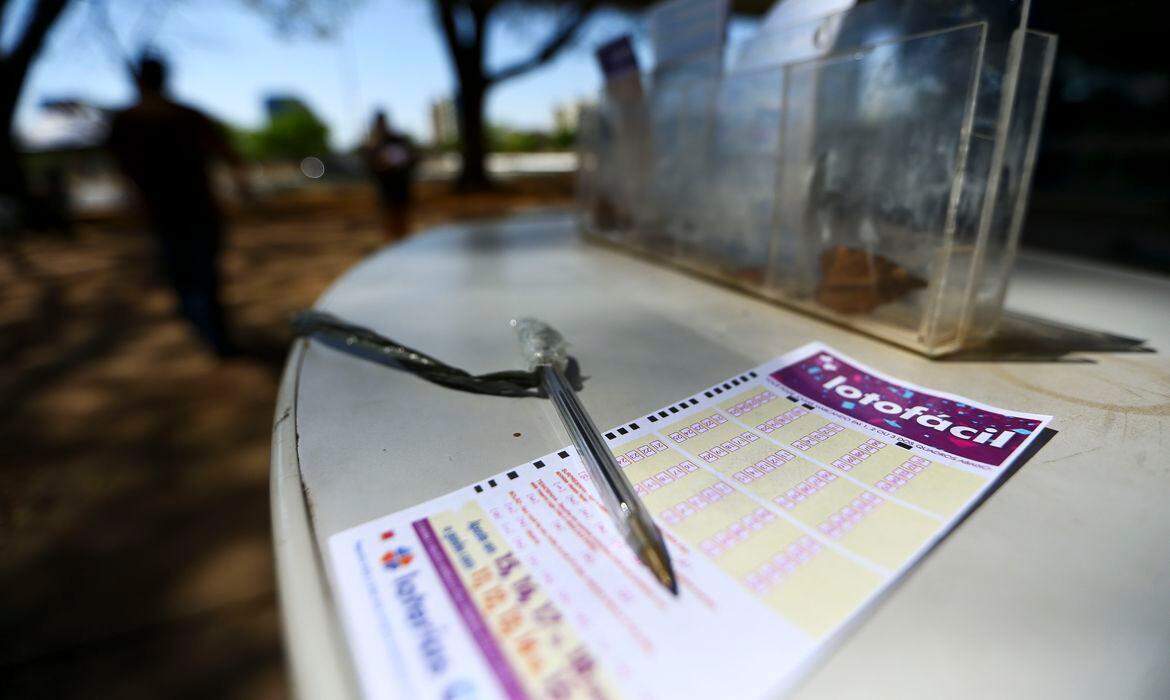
(395, 557)
(429, 635)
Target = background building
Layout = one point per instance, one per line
(444, 124)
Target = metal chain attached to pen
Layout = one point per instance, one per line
(369, 345)
(549, 375)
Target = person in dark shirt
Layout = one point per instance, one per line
(391, 159)
(166, 150)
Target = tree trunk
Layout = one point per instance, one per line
(13, 180)
(13, 183)
(473, 173)
(14, 65)
(466, 42)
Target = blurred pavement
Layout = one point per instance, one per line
(135, 558)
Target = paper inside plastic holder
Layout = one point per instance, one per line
(541, 344)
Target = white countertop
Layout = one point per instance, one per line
(1058, 585)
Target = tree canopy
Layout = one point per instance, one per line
(292, 132)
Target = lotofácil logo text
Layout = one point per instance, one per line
(986, 436)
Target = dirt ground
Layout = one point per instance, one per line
(135, 556)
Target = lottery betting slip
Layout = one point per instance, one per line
(790, 497)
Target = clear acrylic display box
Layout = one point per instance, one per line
(870, 167)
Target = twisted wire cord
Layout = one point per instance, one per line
(369, 345)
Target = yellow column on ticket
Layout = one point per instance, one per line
(932, 485)
(794, 573)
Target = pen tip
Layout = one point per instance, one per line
(659, 564)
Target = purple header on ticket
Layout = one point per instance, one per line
(972, 433)
(465, 606)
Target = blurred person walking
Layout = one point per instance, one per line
(166, 149)
(391, 158)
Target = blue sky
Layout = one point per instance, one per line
(226, 57)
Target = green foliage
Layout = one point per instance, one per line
(564, 139)
(502, 139)
(244, 142)
(448, 146)
(292, 133)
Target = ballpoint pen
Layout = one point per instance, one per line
(545, 350)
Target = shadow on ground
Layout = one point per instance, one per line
(135, 556)
(1027, 338)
